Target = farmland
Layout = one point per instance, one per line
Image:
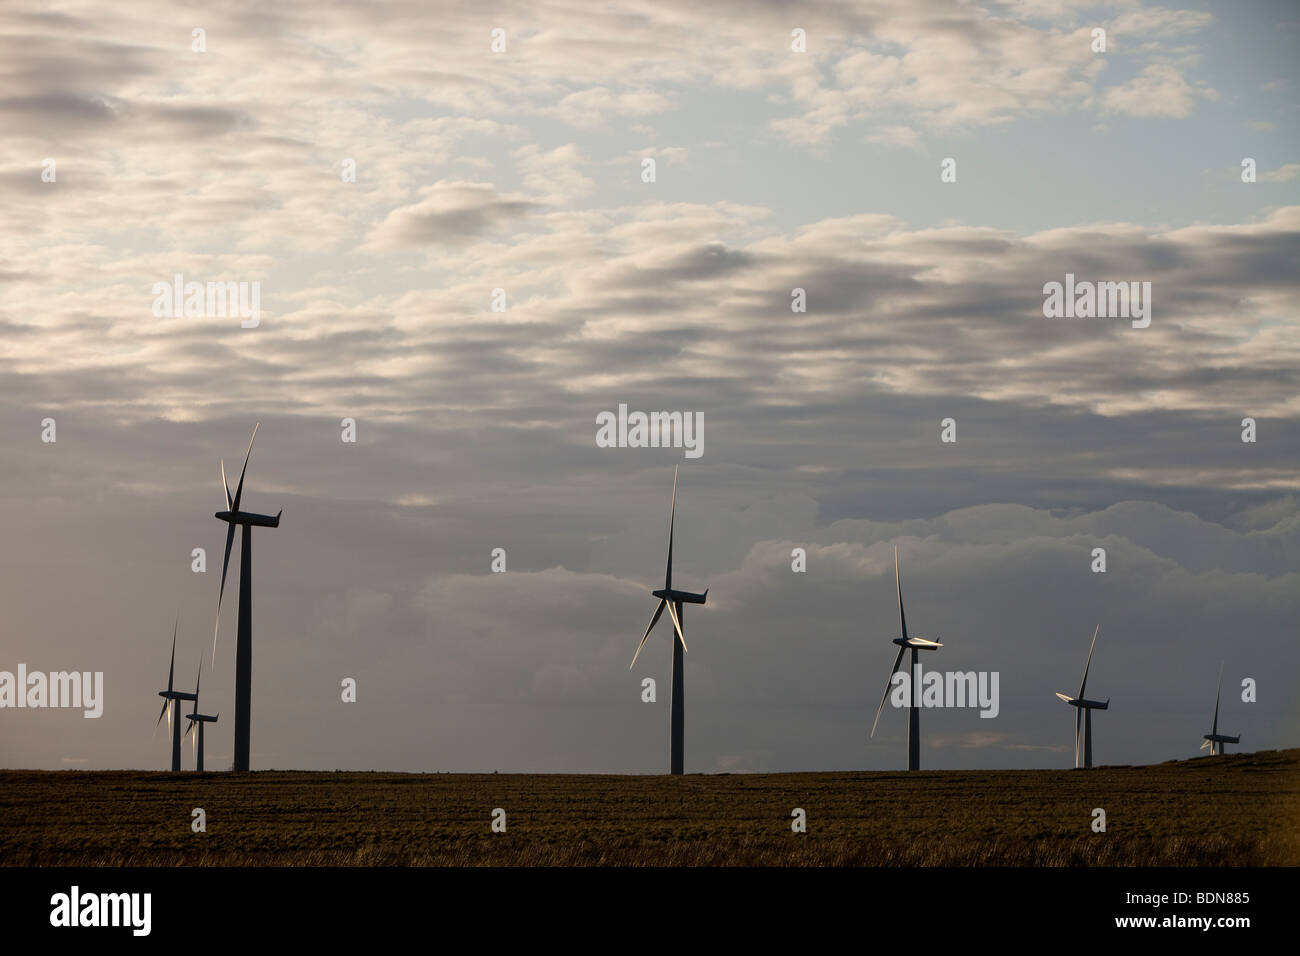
(1242, 809)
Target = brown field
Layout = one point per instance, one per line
(1238, 810)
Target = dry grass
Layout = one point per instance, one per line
(1239, 810)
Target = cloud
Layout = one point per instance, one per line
(554, 175)
(593, 107)
(448, 213)
(1160, 90)
(948, 320)
(1283, 174)
(938, 64)
(904, 136)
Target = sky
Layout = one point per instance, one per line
(135, 149)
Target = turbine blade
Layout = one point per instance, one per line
(1215, 730)
(239, 488)
(672, 517)
(897, 660)
(1205, 743)
(1065, 697)
(902, 618)
(172, 669)
(225, 566)
(653, 621)
(230, 502)
(677, 624)
(1078, 723)
(161, 714)
(1089, 664)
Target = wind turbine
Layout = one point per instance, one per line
(1084, 709)
(172, 698)
(1215, 740)
(916, 644)
(244, 645)
(673, 600)
(198, 720)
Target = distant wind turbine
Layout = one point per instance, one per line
(1215, 740)
(673, 600)
(1084, 709)
(244, 644)
(198, 720)
(172, 698)
(916, 644)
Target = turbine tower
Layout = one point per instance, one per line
(1215, 740)
(1083, 711)
(673, 600)
(916, 645)
(172, 698)
(198, 720)
(244, 645)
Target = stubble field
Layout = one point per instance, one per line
(1238, 810)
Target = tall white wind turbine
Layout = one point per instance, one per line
(1083, 710)
(1215, 740)
(915, 644)
(673, 599)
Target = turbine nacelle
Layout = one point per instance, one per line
(205, 718)
(1222, 739)
(248, 518)
(177, 695)
(1085, 703)
(918, 642)
(681, 597)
